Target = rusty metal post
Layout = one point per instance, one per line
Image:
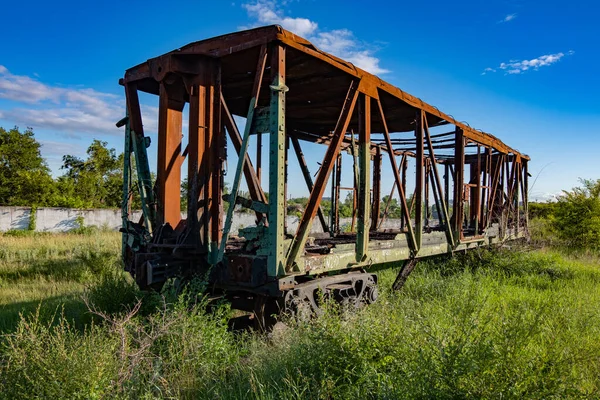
(376, 209)
(404, 164)
(205, 156)
(459, 176)
(259, 156)
(139, 145)
(419, 179)
(338, 181)
(169, 159)
(427, 162)
(364, 184)
(277, 142)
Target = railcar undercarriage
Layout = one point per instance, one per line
(450, 187)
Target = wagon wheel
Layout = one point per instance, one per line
(266, 310)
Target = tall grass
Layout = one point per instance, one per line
(489, 324)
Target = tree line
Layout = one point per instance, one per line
(25, 178)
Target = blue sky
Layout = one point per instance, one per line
(526, 71)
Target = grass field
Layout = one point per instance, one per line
(513, 323)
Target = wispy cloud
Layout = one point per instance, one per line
(340, 42)
(514, 67)
(266, 13)
(67, 111)
(508, 18)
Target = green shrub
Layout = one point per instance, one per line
(577, 216)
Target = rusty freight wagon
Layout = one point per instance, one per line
(455, 187)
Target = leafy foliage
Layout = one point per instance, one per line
(577, 215)
(24, 176)
(95, 181)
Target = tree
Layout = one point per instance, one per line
(94, 182)
(24, 176)
(577, 215)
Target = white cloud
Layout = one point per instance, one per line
(514, 67)
(68, 111)
(508, 18)
(265, 12)
(339, 42)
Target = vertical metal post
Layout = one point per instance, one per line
(404, 166)
(447, 187)
(526, 193)
(355, 174)
(196, 147)
(364, 184)
(259, 156)
(275, 263)
(139, 143)
(333, 204)
(126, 187)
(376, 189)
(459, 176)
(168, 171)
(427, 205)
(216, 159)
(476, 203)
(419, 179)
(338, 182)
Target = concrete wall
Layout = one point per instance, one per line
(64, 219)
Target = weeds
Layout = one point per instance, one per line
(512, 323)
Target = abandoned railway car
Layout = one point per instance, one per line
(454, 187)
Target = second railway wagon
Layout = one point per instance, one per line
(453, 187)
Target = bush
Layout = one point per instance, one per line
(577, 216)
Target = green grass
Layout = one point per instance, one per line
(516, 323)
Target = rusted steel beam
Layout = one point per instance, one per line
(338, 181)
(447, 190)
(497, 186)
(317, 193)
(259, 157)
(276, 263)
(374, 82)
(438, 192)
(354, 181)
(169, 159)
(308, 179)
(459, 176)
(404, 164)
(376, 208)
(419, 178)
(141, 157)
(205, 155)
(525, 191)
(231, 44)
(364, 186)
(411, 235)
(216, 159)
